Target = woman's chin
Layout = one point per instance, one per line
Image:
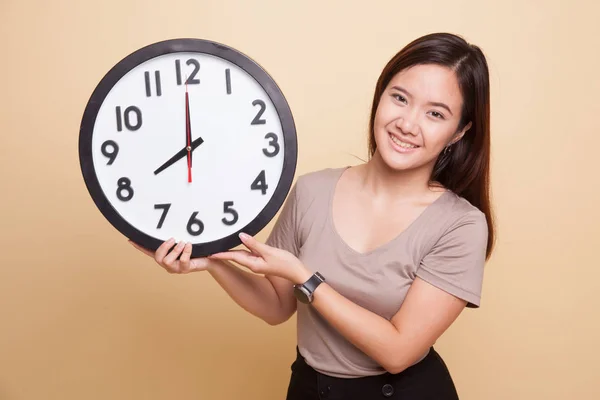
(397, 161)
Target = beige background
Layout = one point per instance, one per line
(85, 316)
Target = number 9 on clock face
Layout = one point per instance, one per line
(190, 139)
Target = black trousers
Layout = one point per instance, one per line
(429, 379)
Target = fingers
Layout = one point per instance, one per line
(242, 257)
(231, 255)
(253, 244)
(170, 260)
(184, 260)
(187, 264)
(162, 250)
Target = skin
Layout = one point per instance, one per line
(391, 180)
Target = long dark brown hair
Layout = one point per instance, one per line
(465, 169)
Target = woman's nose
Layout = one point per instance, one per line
(407, 124)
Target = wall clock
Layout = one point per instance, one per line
(191, 139)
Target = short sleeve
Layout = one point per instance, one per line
(456, 262)
(285, 231)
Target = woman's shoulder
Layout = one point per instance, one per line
(319, 181)
(460, 204)
(458, 211)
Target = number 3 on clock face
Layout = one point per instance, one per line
(190, 139)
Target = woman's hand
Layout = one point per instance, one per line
(170, 262)
(266, 260)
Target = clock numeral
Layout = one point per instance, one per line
(126, 116)
(272, 142)
(228, 81)
(260, 183)
(192, 78)
(124, 185)
(158, 85)
(112, 154)
(165, 208)
(257, 120)
(194, 226)
(227, 209)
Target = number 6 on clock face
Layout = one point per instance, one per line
(190, 139)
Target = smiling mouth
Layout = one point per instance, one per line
(401, 143)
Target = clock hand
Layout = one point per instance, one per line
(188, 132)
(180, 154)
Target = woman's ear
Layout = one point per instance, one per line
(460, 134)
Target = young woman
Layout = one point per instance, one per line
(379, 259)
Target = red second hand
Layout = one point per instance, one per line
(188, 133)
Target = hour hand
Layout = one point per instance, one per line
(180, 154)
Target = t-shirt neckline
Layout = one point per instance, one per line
(382, 247)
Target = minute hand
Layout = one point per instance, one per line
(180, 154)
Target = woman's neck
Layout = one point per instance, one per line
(379, 180)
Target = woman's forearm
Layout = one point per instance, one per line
(254, 293)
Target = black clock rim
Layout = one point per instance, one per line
(200, 46)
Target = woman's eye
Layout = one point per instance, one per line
(437, 115)
(399, 98)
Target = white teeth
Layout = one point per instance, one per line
(402, 144)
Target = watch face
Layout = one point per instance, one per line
(302, 295)
(188, 139)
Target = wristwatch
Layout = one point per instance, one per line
(304, 292)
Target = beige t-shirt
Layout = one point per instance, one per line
(444, 246)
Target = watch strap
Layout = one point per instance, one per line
(313, 282)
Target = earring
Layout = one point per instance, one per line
(447, 149)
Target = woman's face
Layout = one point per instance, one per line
(418, 115)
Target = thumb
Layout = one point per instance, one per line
(199, 264)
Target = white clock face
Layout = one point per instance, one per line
(237, 147)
